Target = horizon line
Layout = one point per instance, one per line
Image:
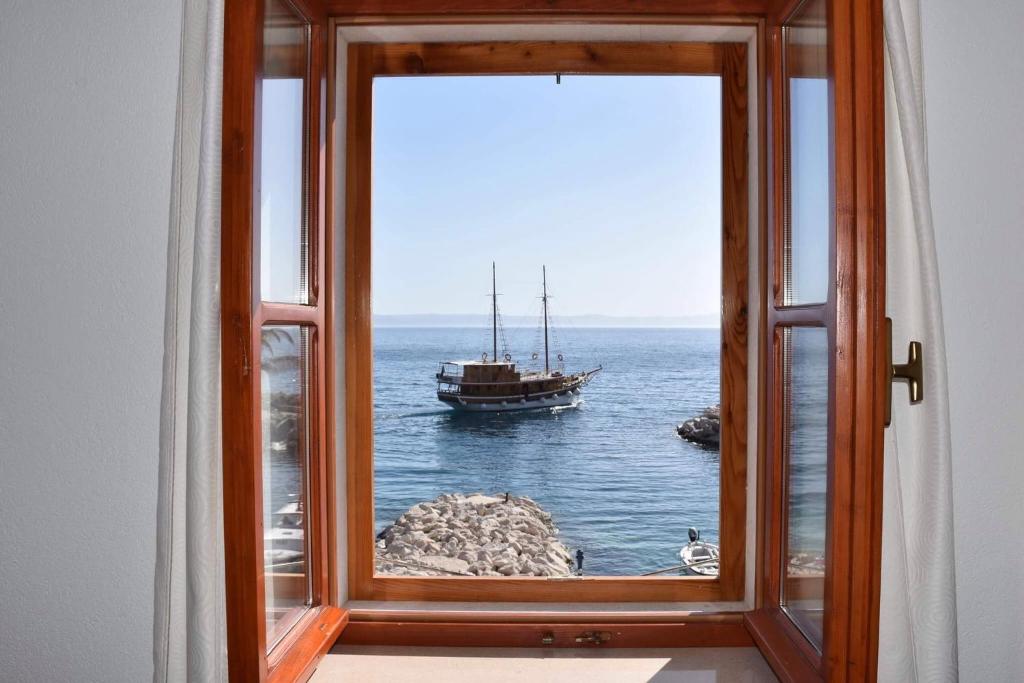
(560, 315)
(592, 327)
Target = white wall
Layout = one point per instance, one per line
(974, 93)
(87, 98)
(87, 103)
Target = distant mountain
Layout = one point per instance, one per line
(480, 320)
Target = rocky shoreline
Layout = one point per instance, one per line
(703, 430)
(473, 535)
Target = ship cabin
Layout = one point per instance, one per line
(478, 378)
(490, 379)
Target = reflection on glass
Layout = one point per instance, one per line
(283, 211)
(805, 378)
(806, 233)
(284, 373)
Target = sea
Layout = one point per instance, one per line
(620, 484)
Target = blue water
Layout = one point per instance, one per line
(618, 481)
(807, 439)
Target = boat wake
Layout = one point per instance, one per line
(577, 405)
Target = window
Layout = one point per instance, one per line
(820, 372)
(278, 559)
(818, 598)
(595, 194)
(454, 381)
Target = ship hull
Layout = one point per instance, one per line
(469, 405)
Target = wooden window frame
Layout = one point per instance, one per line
(855, 57)
(854, 318)
(243, 316)
(369, 60)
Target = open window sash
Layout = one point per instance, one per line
(281, 587)
(823, 341)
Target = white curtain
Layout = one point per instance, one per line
(917, 631)
(189, 634)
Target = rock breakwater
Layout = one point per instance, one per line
(473, 535)
(704, 429)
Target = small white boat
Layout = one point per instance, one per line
(699, 557)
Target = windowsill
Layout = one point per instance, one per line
(348, 662)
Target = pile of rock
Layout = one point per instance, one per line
(704, 429)
(474, 535)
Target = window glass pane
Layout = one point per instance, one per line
(282, 190)
(546, 373)
(806, 232)
(805, 386)
(284, 377)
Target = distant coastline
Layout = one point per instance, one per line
(596, 320)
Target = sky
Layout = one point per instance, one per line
(809, 205)
(281, 191)
(612, 182)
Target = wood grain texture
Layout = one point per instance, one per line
(545, 616)
(776, 148)
(296, 658)
(773, 512)
(730, 633)
(806, 61)
(763, 277)
(285, 61)
(788, 652)
(367, 60)
(243, 317)
(321, 485)
(314, 11)
(541, 589)
(329, 270)
(782, 646)
(243, 514)
(521, 8)
(855, 525)
(734, 323)
(546, 57)
(358, 324)
(779, 11)
(854, 318)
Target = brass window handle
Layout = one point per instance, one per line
(912, 371)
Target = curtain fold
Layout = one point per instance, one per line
(917, 631)
(189, 634)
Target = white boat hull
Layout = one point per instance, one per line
(700, 558)
(568, 398)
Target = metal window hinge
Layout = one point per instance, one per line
(912, 371)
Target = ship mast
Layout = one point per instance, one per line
(547, 364)
(494, 310)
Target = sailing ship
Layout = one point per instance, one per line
(493, 385)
